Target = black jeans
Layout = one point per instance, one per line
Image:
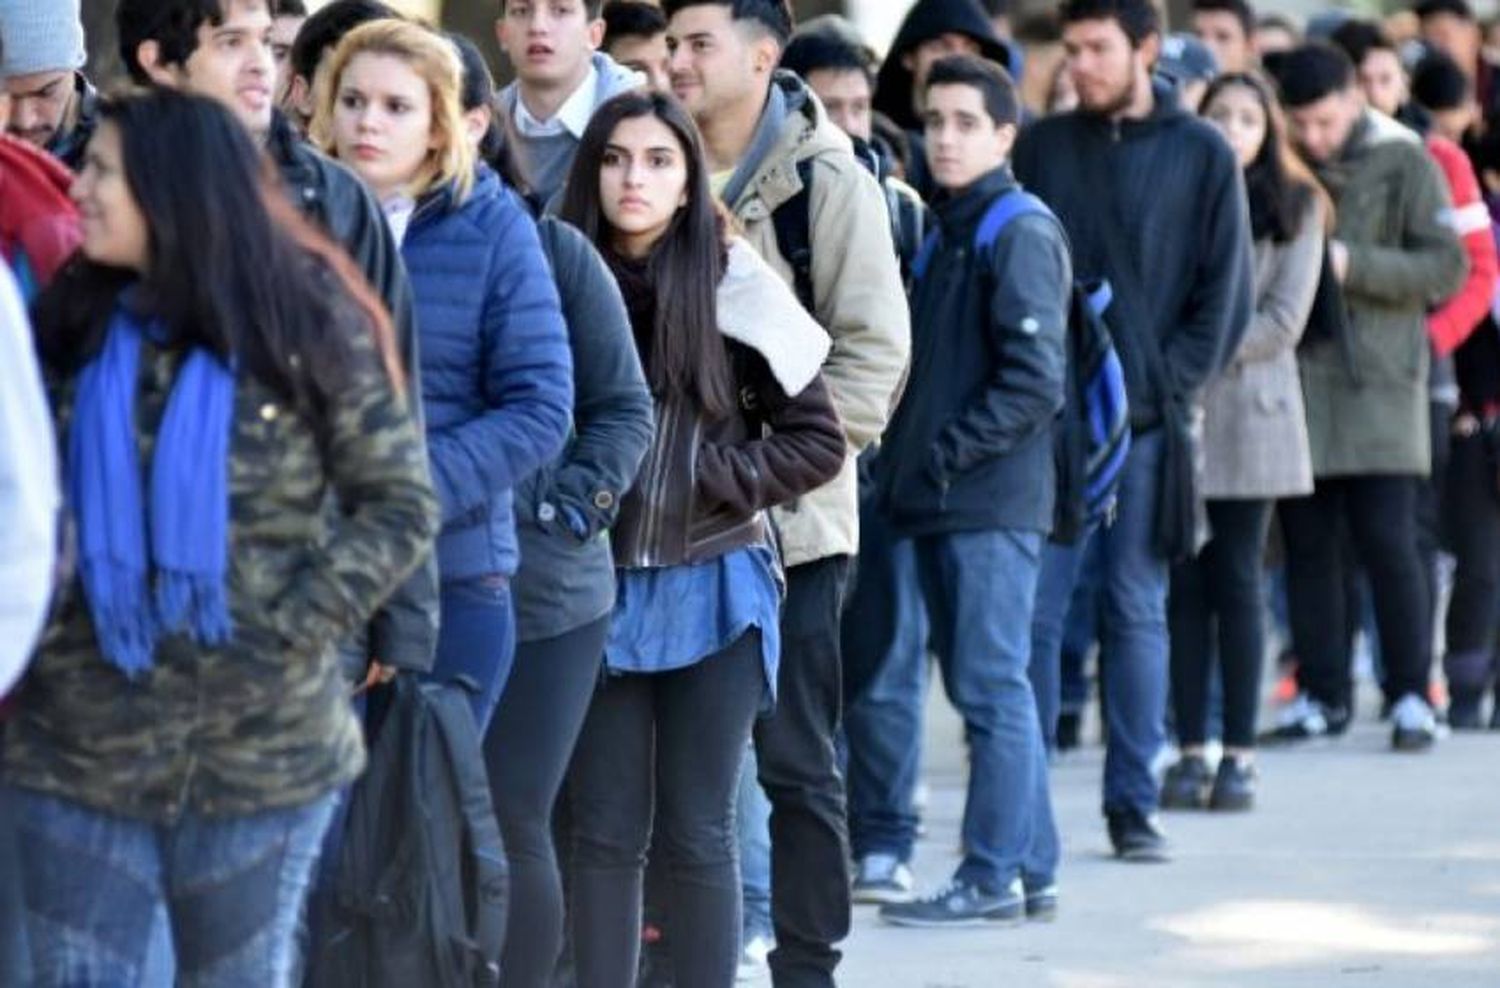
(798, 763)
(1219, 599)
(667, 746)
(1472, 508)
(526, 749)
(1380, 512)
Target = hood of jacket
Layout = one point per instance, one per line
(770, 169)
(927, 20)
(614, 79)
(756, 308)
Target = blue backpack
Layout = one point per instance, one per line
(1093, 432)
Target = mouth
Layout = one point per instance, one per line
(367, 152)
(632, 203)
(256, 96)
(539, 52)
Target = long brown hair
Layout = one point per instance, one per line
(686, 354)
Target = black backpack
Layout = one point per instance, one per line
(420, 892)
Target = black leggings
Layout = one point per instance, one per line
(1472, 509)
(682, 734)
(1225, 585)
(527, 748)
(1380, 514)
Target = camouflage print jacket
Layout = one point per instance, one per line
(265, 722)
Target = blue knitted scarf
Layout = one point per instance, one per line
(174, 533)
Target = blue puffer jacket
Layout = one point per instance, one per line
(497, 375)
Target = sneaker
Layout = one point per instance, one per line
(1041, 903)
(1137, 837)
(1464, 714)
(753, 959)
(960, 904)
(1414, 728)
(1234, 786)
(1185, 786)
(1306, 718)
(882, 879)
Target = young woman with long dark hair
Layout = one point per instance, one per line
(220, 378)
(744, 422)
(1256, 451)
(496, 374)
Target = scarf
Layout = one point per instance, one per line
(175, 531)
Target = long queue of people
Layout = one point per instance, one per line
(650, 422)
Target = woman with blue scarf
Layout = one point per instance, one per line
(246, 486)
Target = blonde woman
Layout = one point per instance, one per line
(496, 371)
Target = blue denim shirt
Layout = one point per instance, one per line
(676, 616)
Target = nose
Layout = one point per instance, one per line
(634, 175)
(25, 113)
(678, 61)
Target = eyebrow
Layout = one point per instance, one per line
(47, 89)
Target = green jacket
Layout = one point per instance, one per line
(266, 721)
(1391, 203)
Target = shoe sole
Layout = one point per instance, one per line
(881, 897)
(1239, 804)
(1413, 745)
(1143, 855)
(1042, 914)
(970, 923)
(1185, 805)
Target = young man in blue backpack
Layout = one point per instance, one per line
(970, 476)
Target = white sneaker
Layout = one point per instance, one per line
(1414, 725)
(753, 959)
(883, 880)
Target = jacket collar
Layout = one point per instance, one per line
(806, 132)
(755, 307)
(439, 202)
(959, 213)
(1166, 109)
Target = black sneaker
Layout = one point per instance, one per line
(1069, 726)
(1136, 837)
(1414, 725)
(1305, 718)
(960, 904)
(1464, 714)
(1234, 786)
(1041, 903)
(1185, 786)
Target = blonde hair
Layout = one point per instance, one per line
(436, 61)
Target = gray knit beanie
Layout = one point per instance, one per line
(40, 36)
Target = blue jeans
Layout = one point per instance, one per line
(233, 889)
(754, 812)
(883, 724)
(980, 588)
(1134, 643)
(477, 640)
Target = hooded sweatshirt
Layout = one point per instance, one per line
(546, 161)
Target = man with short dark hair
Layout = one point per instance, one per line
(561, 79)
(287, 17)
(1367, 410)
(318, 36)
(635, 35)
(787, 174)
(221, 49)
(968, 474)
(1153, 201)
(1228, 28)
(52, 103)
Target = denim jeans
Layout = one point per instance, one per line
(754, 812)
(477, 640)
(883, 723)
(980, 588)
(233, 890)
(1134, 619)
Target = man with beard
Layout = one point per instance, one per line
(51, 101)
(1152, 200)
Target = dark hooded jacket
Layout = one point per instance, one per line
(69, 144)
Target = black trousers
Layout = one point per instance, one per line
(1379, 512)
(1472, 507)
(798, 768)
(1431, 510)
(1218, 599)
(527, 748)
(663, 749)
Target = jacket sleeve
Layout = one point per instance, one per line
(1460, 315)
(375, 466)
(804, 450)
(526, 379)
(1429, 264)
(1030, 290)
(612, 411)
(859, 298)
(1282, 309)
(1220, 300)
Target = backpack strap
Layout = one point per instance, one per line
(1007, 207)
(924, 255)
(792, 221)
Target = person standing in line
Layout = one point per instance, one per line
(744, 422)
(1367, 406)
(495, 364)
(635, 36)
(969, 475)
(220, 376)
(315, 40)
(1227, 27)
(1153, 202)
(561, 80)
(287, 18)
(53, 105)
(1255, 452)
(819, 219)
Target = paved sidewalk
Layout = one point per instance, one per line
(1360, 868)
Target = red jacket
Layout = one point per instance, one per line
(38, 222)
(1452, 322)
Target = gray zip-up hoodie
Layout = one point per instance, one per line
(545, 161)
